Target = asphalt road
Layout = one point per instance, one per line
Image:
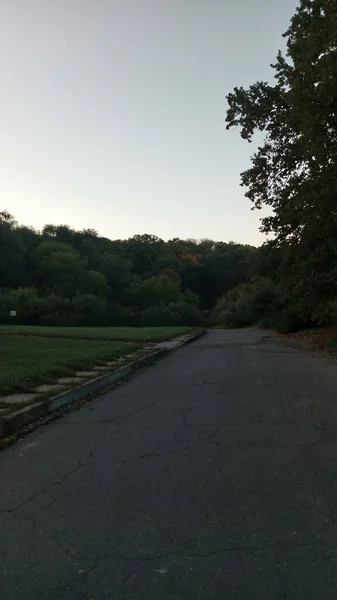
(212, 474)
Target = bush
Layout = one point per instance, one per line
(56, 310)
(27, 304)
(88, 309)
(249, 304)
(119, 315)
(292, 314)
(185, 313)
(262, 303)
(6, 304)
(289, 320)
(52, 309)
(175, 313)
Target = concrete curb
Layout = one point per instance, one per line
(23, 417)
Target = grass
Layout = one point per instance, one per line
(136, 334)
(27, 361)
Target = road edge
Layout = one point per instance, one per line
(13, 423)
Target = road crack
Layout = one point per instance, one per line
(226, 549)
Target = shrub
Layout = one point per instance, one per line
(175, 313)
(249, 304)
(25, 301)
(288, 321)
(52, 309)
(56, 311)
(88, 309)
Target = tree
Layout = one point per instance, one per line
(61, 276)
(267, 261)
(293, 171)
(143, 251)
(299, 117)
(93, 283)
(88, 309)
(12, 252)
(225, 265)
(59, 268)
(153, 291)
(170, 275)
(117, 271)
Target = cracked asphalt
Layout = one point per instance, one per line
(211, 475)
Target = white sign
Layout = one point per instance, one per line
(12, 313)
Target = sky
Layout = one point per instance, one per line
(112, 113)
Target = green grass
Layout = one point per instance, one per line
(137, 334)
(26, 361)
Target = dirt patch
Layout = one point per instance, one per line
(322, 339)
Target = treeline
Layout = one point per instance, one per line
(294, 174)
(60, 276)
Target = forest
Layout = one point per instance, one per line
(60, 276)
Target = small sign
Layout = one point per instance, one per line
(12, 313)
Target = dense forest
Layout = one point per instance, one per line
(64, 277)
(293, 173)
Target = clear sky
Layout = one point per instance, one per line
(112, 112)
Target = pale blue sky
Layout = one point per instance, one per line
(112, 112)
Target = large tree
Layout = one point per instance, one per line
(294, 171)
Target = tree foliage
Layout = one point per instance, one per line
(293, 172)
(61, 276)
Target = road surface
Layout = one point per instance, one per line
(211, 475)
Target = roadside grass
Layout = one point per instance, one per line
(134, 334)
(27, 361)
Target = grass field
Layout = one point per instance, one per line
(28, 361)
(137, 334)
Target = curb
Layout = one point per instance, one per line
(17, 420)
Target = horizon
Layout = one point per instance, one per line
(144, 233)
